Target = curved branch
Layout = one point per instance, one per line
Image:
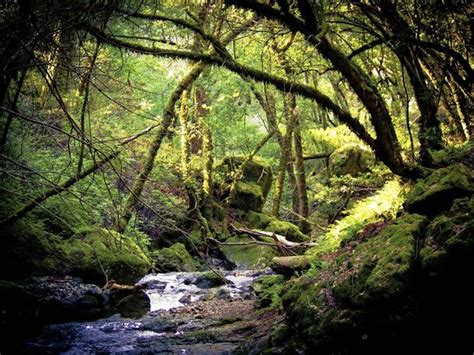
(179, 22)
(255, 74)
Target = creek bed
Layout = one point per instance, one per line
(187, 315)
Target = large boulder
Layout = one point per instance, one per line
(175, 258)
(252, 189)
(18, 317)
(436, 192)
(246, 254)
(96, 252)
(350, 159)
(93, 254)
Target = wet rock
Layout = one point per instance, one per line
(18, 316)
(186, 299)
(207, 279)
(223, 294)
(134, 306)
(67, 298)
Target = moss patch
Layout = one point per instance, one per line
(27, 250)
(271, 224)
(253, 187)
(175, 258)
(366, 279)
(436, 192)
(250, 256)
(349, 159)
(96, 251)
(268, 290)
(289, 265)
(449, 239)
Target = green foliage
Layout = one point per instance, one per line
(268, 290)
(385, 203)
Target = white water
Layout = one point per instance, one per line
(176, 289)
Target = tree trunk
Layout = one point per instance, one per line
(149, 161)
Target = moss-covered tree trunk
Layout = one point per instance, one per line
(85, 103)
(149, 161)
(302, 206)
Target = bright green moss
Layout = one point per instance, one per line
(271, 224)
(258, 220)
(268, 290)
(250, 256)
(350, 159)
(253, 187)
(286, 229)
(382, 265)
(175, 258)
(96, 252)
(436, 192)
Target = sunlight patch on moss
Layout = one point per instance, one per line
(386, 202)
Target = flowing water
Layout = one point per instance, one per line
(187, 315)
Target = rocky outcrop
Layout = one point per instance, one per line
(406, 284)
(93, 254)
(437, 192)
(252, 188)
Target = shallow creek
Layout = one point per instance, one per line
(187, 315)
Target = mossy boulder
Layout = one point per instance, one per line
(436, 192)
(96, 251)
(251, 256)
(350, 159)
(271, 224)
(381, 267)
(362, 286)
(175, 258)
(27, 250)
(252, 189)
(450, 240)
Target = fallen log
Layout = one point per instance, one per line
(279, 239)
(289, 265)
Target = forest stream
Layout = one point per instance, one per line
(186, 315)
(236, 177)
